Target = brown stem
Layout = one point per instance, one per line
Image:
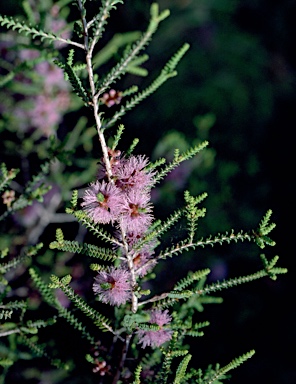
(123, 358)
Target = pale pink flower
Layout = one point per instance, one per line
(113, 286)
(28, 54)
(160, 336)
(47, 112)
(133, 237)
(53, 76)
(115, 163)
(130, 237)
(59, 27)
(131, 175)
(136, 212)
(102, 202)
(140, 258)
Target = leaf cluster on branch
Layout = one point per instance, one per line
(126, 235)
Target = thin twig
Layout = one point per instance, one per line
(130, 264)
(94, 97)
(123, 358)
(6, 333)
(154, 298)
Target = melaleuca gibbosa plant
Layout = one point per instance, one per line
(148, 330)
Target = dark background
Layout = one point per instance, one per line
(240, 68)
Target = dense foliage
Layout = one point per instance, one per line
(71, 171)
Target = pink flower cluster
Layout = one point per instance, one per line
(113, 286)
(125, 203)
(43, 111)
(157, 337)
(126, 199)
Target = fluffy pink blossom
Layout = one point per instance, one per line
(113, 286)
(133, 237)
(102, 202)
(160, 336)
(131, 174)
(28, 54)
(140, 258)
(136, 212)
(115, 163)
(59, 27)
(130, 237)
(53, 76)
(47, 112)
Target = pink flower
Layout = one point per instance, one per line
(130, 237)
(140, 258)
(53, 76)
(28, 54)
(159, 337)
(113, 286)
(136, 208)
(115, 162)
(133, 237)
(46, 113)
(131, 175)
(102, 202)
(59, 27)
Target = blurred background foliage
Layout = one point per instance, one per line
(235, 88)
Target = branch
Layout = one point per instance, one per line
(20, 27)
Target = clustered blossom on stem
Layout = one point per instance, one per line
(130, 175)
(43, 105)
(125, 202)
(102, 202)
(113, 286)
(156, 338)
(136, 212)
(143, 260)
